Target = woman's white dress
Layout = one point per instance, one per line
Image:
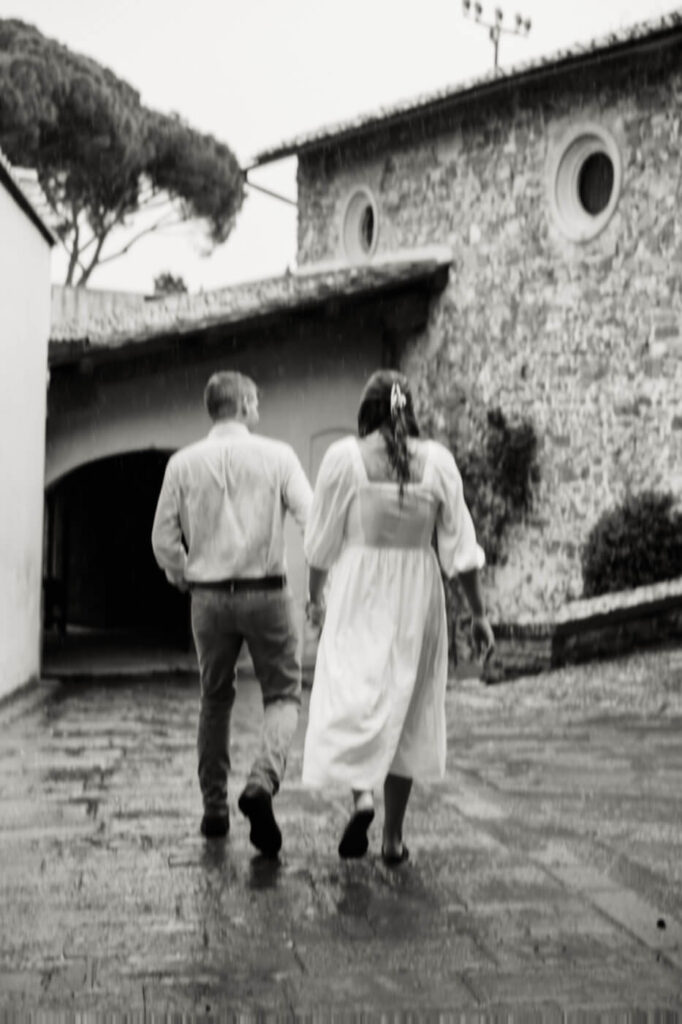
(378, 698)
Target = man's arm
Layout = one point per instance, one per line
(297, 492)
(167, 532)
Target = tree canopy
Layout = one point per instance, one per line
(168, 284)
(100, 155)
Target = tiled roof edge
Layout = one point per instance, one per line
(642, 32)
(84, 320)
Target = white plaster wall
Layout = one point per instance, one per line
(24, 332)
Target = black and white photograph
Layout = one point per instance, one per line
(341, 519)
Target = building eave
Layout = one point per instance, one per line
(155, 326)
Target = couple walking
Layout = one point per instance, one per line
(377, 706)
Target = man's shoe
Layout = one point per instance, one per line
(354, 842)
(255, 803)
(215, 826)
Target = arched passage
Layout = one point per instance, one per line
(100, 571)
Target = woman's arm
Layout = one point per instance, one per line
(481, 630)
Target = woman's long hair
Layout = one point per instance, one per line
(386, 405)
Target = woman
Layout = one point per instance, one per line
(377, 707)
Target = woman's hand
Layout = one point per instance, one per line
(482, 637)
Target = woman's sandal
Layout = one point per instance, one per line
(354, 841)
(392, 860)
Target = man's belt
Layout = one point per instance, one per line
(241, 584)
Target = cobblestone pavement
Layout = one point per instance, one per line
(546, 869)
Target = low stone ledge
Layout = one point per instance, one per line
(603, 626)
(618, 600)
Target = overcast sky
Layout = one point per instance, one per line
(257, 72)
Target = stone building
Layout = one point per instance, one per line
(25, 245)
(556, 191)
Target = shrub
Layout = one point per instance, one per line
(636, 543)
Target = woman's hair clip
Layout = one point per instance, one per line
(398, 399)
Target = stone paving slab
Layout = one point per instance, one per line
(544, 880)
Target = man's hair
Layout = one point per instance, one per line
(224, 392)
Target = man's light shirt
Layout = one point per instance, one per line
(228, 495)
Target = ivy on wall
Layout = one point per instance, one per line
(498, 478)
(497, 460)
(498, 463)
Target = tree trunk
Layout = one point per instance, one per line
(87, 271)
(73, 255)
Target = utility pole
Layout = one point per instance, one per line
(495, 28)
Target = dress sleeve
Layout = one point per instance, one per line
(458, 549)
(334, 489)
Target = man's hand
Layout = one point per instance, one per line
(482, 637)
(177, 581)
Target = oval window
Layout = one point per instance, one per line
(360, 226)
(585, 182)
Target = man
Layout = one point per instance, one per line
(226, 496)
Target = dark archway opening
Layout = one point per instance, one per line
(100, 576)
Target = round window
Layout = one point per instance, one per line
(360, 226)
(585, 182)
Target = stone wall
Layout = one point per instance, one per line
(585, 339)
(601, 627)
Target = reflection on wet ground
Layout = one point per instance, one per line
(545, 878)
(264, 873)
(356, 900)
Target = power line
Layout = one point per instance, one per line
(266, 191)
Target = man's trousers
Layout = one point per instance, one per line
(221, 622)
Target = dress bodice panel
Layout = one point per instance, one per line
(377, 517)
(353, 509)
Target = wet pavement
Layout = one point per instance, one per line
(545, 874)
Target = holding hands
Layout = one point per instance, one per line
(314, 613)
(315, 605)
